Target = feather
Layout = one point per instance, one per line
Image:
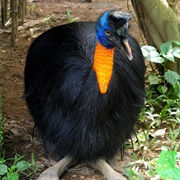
(63, 95)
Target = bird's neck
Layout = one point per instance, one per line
(103, 66)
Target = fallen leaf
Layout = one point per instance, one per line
(158, 133)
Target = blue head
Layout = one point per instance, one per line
(103, 28)
(112, 29)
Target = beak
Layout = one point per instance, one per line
(127, 49)
(120, 20)
(124, 46)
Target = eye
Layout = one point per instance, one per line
(108, 32)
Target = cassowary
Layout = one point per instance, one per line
(84, 86)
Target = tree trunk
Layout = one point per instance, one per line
(18, 8)
(159, 23)
(4, 9)
(14, 15)
(21, 9)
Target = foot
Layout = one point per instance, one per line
(53, 173)
(107, 170)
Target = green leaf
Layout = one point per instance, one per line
(166, 165)
(5, 178)
(164, 89)
(171, 77)
(151, 54)
(12, 168)
(3, 169)
(68, 16)
(153, 79)
(74, 19)
(166, 47)
(13, 176)
(147, 49)
(176, 42)
(22, 165)
(176, 52)
(32, 159)
(157, 60)
(169, 56)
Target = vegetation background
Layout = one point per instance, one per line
(156, 152)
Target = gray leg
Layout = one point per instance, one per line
(53, 173)
(107, 170)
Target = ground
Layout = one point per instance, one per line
(17, 122)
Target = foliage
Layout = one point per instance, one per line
(133, 171)
(31, 7)
(11, 172)
(1, 132)
(166, 165)
(163, 91)
(69, 19)
(159, 120)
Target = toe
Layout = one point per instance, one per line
(49, 174)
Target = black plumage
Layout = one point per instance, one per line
(62, 93)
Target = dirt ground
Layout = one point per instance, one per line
(17, 122)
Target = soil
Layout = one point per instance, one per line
(17, 122)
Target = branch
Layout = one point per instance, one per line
(27, 25)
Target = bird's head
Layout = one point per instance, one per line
(112, 29)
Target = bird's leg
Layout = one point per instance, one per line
(53, 173)
(107, 170)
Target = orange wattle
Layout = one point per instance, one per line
(103, 66)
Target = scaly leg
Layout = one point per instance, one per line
(107, 170)
(53, 173)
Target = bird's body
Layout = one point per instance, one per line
(73, 112)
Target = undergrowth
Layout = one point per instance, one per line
(1, 131)
(158, 144)
(12, 168)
